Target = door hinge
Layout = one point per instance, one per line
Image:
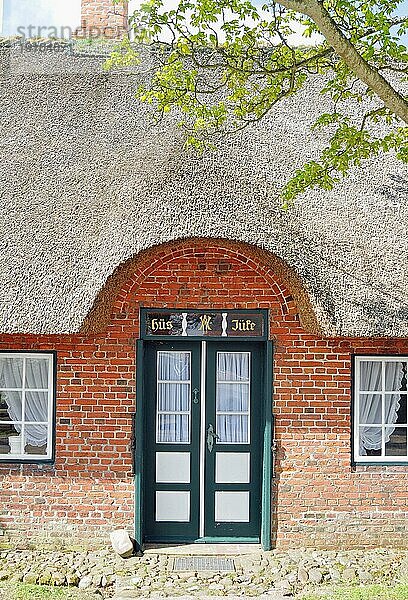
(274, 449)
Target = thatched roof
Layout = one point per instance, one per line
(87, 183)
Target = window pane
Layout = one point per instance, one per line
(232, 429)
(11, 372)
(233, 366)
(4, 415)
(36, 439)
(370, 375)
(6, 432)
(396, 441)
(370, 441)
(11, 441)
(36, 406)
(37, 373)
(36, 435)
(173, 366)
(10, 406)
(37, 450)
(394, 376)
(173, 397)
(232, 397)
(173, 428)
(395, 408)
(370, 409)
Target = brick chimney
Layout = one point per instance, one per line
(102, 18)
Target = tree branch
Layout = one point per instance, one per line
(348, 53)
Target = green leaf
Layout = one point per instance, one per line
(224, 64)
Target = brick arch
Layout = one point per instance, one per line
(207, 273)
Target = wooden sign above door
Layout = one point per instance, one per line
(221, 324)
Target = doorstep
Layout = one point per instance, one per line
(203, 549)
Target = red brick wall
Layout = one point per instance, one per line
(319, 498)
(102, 18)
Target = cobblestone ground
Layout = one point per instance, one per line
(274, 575)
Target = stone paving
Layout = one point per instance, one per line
(272, 575)
(268, 575)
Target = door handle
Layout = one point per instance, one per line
(211, 436)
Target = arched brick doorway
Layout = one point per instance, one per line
(183, 491)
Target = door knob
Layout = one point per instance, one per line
(211, 436)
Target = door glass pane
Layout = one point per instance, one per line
(173, 397)
(232, 429)
(232, 507)
(173, 429)
(233, 397)
(173, 366)
(233, 366)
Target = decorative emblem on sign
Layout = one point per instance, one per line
(205, 323)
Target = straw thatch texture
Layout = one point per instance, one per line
(87, 182)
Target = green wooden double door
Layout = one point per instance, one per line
(203, 441)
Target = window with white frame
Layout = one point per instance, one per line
(26, 406)
(380, 409)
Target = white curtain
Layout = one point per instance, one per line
(36, 402)
(233, 366)
(233, 390)
(232, 429)
(173, 397)
(371, 402)
(11, 376)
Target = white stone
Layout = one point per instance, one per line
(85, 582)
(121, 543)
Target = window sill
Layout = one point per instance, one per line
(379, 463)
(397, 468)
(26, 461)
